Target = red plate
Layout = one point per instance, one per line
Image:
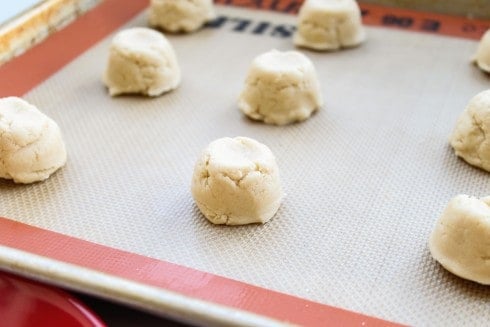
(24, 303)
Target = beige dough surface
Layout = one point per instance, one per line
(329, 25)
(471, 136)
(482, 56)
(31, 145)
(142, 61)
(460, 242)
(180, 15)
(236, 182)
(281, 88)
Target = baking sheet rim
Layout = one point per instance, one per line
(149, 298)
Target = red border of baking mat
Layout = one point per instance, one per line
(28, 70)
(375, 15)
(180, 279)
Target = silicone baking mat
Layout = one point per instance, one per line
(366, 177)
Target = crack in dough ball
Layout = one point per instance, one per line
(329, 25)
(482, 56)
(31, 145)
(141, 60)
(281, 88)
(471, 137)
(460, 242)
(236, 182)
(180, 16)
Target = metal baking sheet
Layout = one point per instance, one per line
(366, 177)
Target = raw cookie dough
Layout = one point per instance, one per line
(482, 56)
(471, 137)
(281, 88)
(180, 16)
(329, 25)
(31, 146)
(141, 60)
(236, 182)
(460, 242)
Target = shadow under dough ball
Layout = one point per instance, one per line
(459, 241)
(326, 25)
(141, 61)
(31, 144)
(471, 136)
(236, 182)
(281, 88)
(482, 56)
(180, 16)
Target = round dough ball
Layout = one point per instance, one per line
(329, 25)
(482, 56)
(460, 242)
(281, 88)
(236, 182)
(31, 146)
(180, 16)
(471, 137)
(141, 60)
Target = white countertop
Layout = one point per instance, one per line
(11, 9)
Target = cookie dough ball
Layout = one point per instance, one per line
(329, 25)
(471, 137)
(281, 88)
(482, 57)
(180, 16)
(31, 146)
(460, 240)
(236, 182)
(141, 60)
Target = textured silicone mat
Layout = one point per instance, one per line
(366, 177)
